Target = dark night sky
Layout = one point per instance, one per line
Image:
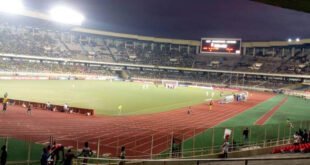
(189, 19)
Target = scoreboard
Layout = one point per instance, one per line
(220, 46)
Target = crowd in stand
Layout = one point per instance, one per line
(55, 154)
(32, 66)
(36, 66)
(41, 41)
(301, 136)
(301, 139)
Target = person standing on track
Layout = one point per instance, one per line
(49, 106)
(4, 104)
(29, 108)
(66, 108)
(210, 105)
(189, 110)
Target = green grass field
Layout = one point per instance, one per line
(105, 97)
(296, 109)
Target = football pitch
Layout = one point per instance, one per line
(107, 98)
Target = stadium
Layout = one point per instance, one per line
(139, 99)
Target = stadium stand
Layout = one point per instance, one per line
(54, 42)
(40, 38)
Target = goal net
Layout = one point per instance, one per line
(170, 84)
(227, 99)
(242, 96)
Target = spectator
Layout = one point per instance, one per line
(289, 123)
(122, 155)
(245, 135)
(69, 156)
(3, 156)
(305, 137)
(44, 157)
(55, 152)
(225, 148)
(86, 152)
(296, 138)
(174, 148)
(300, 132)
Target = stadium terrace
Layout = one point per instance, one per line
(72, 93)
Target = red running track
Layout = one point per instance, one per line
(134, 132)
(266, 116)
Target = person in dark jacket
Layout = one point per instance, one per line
(44, 157)
(4, 155)
(122, 155)
(57, 151)
(86, 152)
(245, 135)
(69, 156)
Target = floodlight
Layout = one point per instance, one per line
(297, 39)
(12, 6)
(66, 15)
(289, 40)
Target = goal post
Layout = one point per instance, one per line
(171, 84)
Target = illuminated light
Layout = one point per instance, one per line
(229, 50)
(220, 45)
(219, 41)
(289, 40)
(12, 6)
(231, 42)
(66, 15)
(297, 40)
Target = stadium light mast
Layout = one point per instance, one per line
(12, 6)
(66, 15)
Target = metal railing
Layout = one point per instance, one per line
(99, 161)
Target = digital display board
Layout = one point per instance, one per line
(220, 46)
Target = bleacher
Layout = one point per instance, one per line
(49, 41)
(291, 148)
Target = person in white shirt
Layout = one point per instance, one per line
(48, 106)
(225, 148)
(66, 108)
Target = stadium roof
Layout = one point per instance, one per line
(298, 5)
(43, 16)
(192, 20)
